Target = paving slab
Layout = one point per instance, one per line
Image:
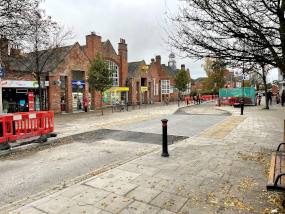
(169, 201)
(140, 208)
(113, 203)
(143, 194)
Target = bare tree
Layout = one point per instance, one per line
(209, 28)
(42, 47)
(14, 16)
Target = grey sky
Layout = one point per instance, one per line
(139, 22)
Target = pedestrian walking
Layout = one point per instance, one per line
(283, 97)
(199, 98)
(277, 98)
(259, 96)
(269, 97)
(85, 104)
(166, 101)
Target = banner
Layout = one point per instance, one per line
(31, 101)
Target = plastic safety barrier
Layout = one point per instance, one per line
(228, 100)
(25, 124)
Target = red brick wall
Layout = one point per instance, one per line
(93, 44)
(123, 53)
(75, 60)
(142, 73)
(156, 76)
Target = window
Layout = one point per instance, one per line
(165, 86)
(115, 75)
(154, 87)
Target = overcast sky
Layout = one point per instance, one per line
(140, 22)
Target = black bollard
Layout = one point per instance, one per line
(241, 106)
(164, 138)
(187, 101)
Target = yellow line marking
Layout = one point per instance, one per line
(224, 128)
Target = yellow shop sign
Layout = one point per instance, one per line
(118, 89)
(143, 88)
(145, 67)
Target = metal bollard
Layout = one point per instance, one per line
(187, 102)
(164, 138)
(241, 106)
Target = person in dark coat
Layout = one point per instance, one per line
(269, 96)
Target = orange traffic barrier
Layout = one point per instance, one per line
(25, 124)
(228, 100)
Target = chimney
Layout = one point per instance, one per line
(123, 67)
(152, 61)
(183, 67)
(3, 50)
(158, 62)
(93, 44)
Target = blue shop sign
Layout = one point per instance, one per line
(78, 83)
(1, 72)
(176, 89)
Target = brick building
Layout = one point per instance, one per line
(64, 83)
(63, 80)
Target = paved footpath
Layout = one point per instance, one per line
(221, 170)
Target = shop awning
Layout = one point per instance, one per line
(118, 89)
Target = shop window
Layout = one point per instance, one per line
(115, 75)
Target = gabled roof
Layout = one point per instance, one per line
(200, 79)
(133, 68)
(168, 70)
(51, 64)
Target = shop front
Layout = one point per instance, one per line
(21, 96)
(116, 94)
(77, 95)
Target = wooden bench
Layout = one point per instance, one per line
(276, 179)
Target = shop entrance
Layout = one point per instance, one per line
(77, 98)
(164, 97)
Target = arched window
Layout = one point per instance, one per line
(115, 75)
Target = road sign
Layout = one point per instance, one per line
(243, 76)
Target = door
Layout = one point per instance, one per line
(142, 97)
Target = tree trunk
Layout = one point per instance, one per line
(101, 104)
(265, 88)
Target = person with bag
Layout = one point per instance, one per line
(277, 98)
(85, 104)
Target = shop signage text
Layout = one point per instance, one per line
(78, 83)
(144, 67)
(19, 84)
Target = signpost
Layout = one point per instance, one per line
(1, 76)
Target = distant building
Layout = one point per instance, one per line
(172, 62)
